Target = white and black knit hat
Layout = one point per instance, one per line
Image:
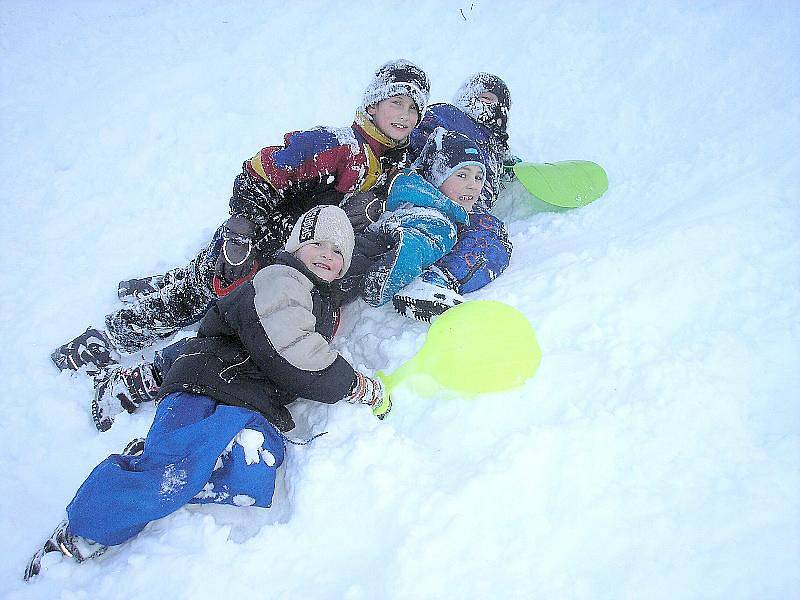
(395, 78)
(466, 98)
(327, 223)
(444, 153)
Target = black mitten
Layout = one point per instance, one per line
(236, 257)
(364, 209)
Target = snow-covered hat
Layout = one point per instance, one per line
(444, 153)
(327, 223)
(466, 98)
(395, 78)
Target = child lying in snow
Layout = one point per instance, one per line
(427, 207)
(216, 432)
(427, 230)
(479, 111)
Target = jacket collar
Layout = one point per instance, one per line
(377, 140)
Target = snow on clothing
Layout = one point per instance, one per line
(483, 250)
(397, 78)
(422, 223)
(312, 162)
(453, 118)
(277, 185)
(215, 435)
(494, 115)
(481, 253)
(197, 451)
(265, 344)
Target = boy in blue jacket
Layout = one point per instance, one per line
(429, 208)
(217, 432)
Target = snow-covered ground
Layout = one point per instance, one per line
(655, 454)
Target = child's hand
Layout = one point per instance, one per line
(509, 160)
(384, 406)
(364, 209)
(370, 391)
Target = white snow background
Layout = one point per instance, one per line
(655, 454)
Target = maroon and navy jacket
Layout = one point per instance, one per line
(316, 166)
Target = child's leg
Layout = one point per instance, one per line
(481, 253)
(245, 473)
(181, 301)
(124, 493)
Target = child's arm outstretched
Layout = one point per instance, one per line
(309, 163)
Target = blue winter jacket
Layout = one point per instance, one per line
(481, 253)
(483, 250)
(423, 223)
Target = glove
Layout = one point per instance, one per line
(364, 209)
(236, 258)
(509, 160)
(372, 392)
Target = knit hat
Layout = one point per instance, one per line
(466, 98)
(444, 153)
(327, 223)
(395, 78)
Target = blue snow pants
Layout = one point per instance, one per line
(184, 461)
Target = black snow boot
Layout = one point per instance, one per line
(134, 448)
(132, 290)
(118, 388)
(73, 546)
(424, 301)
(91, 349)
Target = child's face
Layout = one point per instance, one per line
(395, 116)
(464, 186)
(323, 259)
(488, 98)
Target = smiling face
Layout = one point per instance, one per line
(395, 116)
(464, 186)
(323, 259)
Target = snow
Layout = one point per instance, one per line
(656, 452)
(251, 442)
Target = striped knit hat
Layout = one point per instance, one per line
(395, 78)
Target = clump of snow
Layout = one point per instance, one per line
(251, 442)
(243, 500)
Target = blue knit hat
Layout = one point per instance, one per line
(444, 153)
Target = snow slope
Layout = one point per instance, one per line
(655, 454)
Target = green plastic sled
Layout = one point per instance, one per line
(563, 185)
(476, 347)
